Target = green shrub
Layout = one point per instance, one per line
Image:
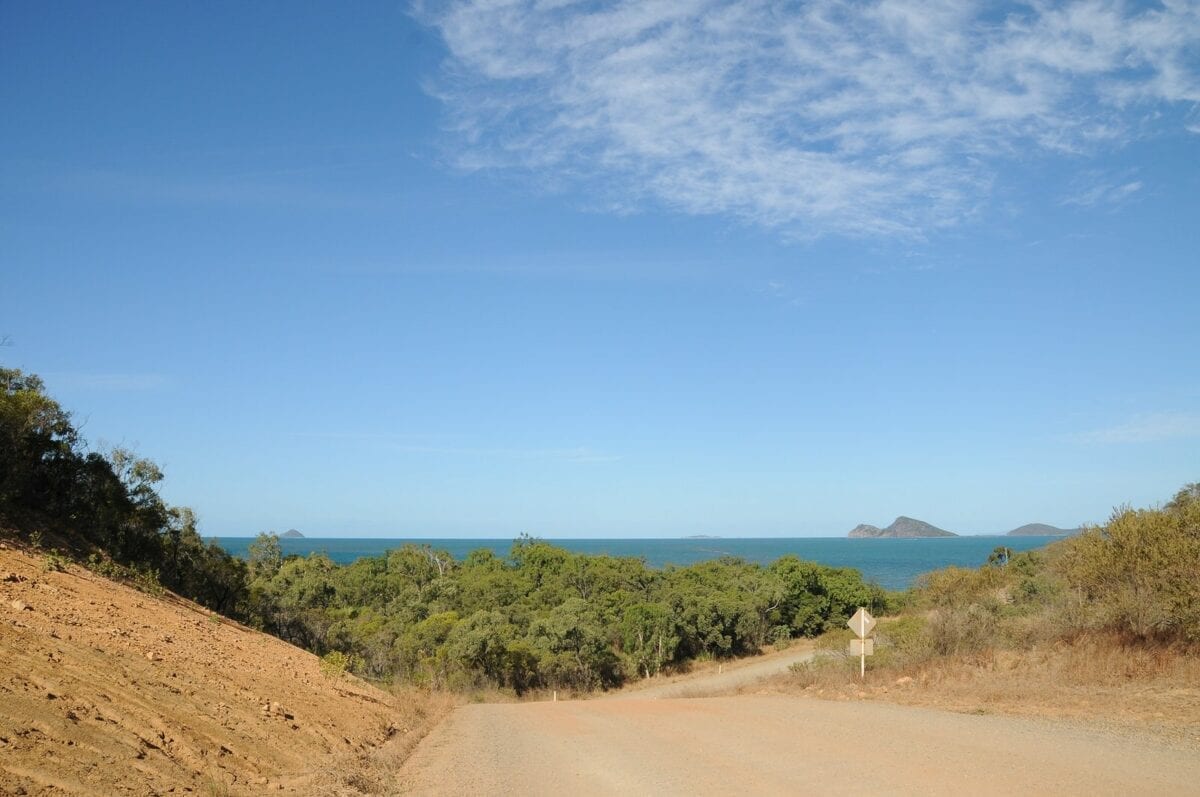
(1141, 572)
(902, 641)
(337, 664)
(957, 586)
(103, 566)
(836, 640)
(958, 630)
(54, 561)
(146, 580)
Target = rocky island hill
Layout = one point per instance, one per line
(902, 527)
(1041, 530)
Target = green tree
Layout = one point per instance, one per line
(649, 637)
(37, 440)
(479, 644)
(575, 652)
(265, 556)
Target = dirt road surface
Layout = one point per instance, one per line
(642, 743)
(731, 676)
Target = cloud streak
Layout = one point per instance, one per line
(1099, 191)
(875, 118)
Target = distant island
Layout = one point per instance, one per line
(291, 534)
(1041, 530)
(902, 527)
(702, 537)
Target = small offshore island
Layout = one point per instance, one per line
(1042, 530)
(902, 527)
(910, 528)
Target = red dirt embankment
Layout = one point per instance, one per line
(107, 690)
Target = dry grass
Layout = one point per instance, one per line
(1072, 632)
(376, 771)
(1099, 679)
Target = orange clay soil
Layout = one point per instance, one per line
(107, 690)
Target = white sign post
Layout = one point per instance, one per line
(862, 624)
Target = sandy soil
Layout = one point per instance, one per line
(719, 679)
(1097, 682)
(107, 690)
(640, 743)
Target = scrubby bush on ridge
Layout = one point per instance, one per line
(109, 504)
(545, 617)
(1135, 579)
(1141, 571)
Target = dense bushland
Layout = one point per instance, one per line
(543, 616)
(103, 506)
(540, 618)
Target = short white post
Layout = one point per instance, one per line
(862, 654)
(858, 624)
(555, 695)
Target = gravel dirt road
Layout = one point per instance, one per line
(644, 742)
(732, 676)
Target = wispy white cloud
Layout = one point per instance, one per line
(823, 117)
(781, 291)
(1150, 428)
(1097, 190)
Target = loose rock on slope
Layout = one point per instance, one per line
(106, 690)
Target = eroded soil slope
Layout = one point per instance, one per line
(107, 690)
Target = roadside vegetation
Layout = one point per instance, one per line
(1106, 623)
(540, 618)
(101, 508)
(1118, 602)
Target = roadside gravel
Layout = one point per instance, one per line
(640, 742)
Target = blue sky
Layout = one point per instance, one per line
(633, 269)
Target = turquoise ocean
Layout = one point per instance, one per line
(891, 563)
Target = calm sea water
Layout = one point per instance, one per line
(891, 563)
